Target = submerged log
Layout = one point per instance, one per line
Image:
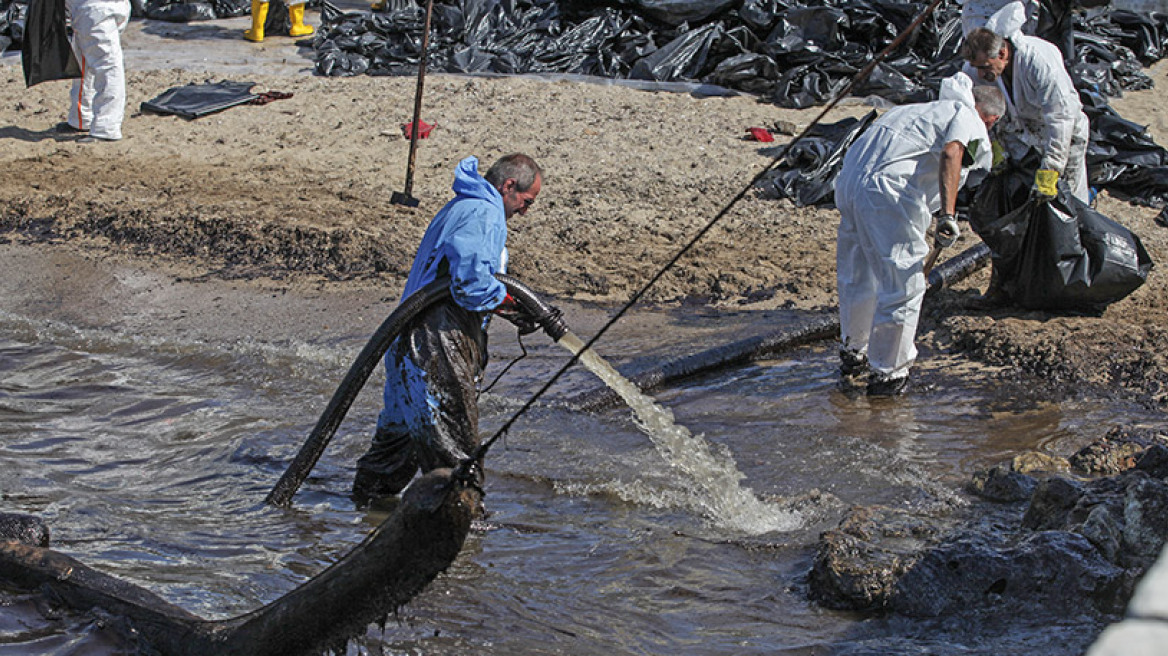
(418, 541)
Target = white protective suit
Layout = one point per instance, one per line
(887, 191)
(1042, 105)
(98, 97)
(975, 13)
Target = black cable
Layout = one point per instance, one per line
(867, 70)
(522, 354)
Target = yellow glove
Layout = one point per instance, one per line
(999, 155)
(1045, 184)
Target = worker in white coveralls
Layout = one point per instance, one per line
(97, 99)
(1043, 111)
(259, 14)
(903, 170)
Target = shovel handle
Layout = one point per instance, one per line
(418, 100)
(931, 259)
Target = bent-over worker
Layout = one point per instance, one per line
(901, 171)
(430, 416)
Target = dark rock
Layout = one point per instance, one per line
(1057, 570)
(1145, 516)
(1117, 451)
(1080, 546)
(857, 565)
(1051, 503)
(1002, 484)
(1103, 530)
(24, 529)
(1154, 461)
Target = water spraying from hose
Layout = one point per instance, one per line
(721, 499)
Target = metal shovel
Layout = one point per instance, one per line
(406, 197)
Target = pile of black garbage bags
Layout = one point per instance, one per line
(186, 11)
(795, 53)
(12, 17)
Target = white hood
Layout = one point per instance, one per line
(1008, 20)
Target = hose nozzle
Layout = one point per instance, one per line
(549, 317)
(553, 324)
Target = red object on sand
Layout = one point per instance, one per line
(760, 134)
(424, 129)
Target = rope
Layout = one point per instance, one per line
(467, 465)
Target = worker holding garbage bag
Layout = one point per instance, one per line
(1043, 108)
(1043, 115)
(903, 170)
(430, 415)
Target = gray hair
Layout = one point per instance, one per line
(989, 100)
(516, 166)
(981, 43)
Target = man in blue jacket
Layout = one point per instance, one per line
(430, 418)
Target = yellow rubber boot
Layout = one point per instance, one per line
(296, 14)
(259, 14)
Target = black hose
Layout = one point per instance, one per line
(958, 267)
(281, 495)
(814, 329)
(719, 357)
(547, 316)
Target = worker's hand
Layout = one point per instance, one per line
(947, 231)
(513, 311)
(1045, 185)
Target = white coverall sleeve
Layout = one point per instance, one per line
(1061, 110)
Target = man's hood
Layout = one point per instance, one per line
(469, 184)
(959, 87)
(1007, 22)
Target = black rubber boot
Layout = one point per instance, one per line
(853, 370)
(882, 385)
(994, 297)
(853, 363)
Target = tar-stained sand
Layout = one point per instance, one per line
(295, 196)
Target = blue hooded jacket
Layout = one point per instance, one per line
(467, 239)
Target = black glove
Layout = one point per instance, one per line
(947, 231)
(513, 311)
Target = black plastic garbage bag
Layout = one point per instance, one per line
(180, 12)
(1060, 255)
(12, 21)
(676, 12)
(10, 16)
(195, 100)
(807, 174)
(47, 54)
(1122, 157)
(680, 59)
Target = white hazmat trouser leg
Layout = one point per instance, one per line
(98, 97)
(880, 257)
